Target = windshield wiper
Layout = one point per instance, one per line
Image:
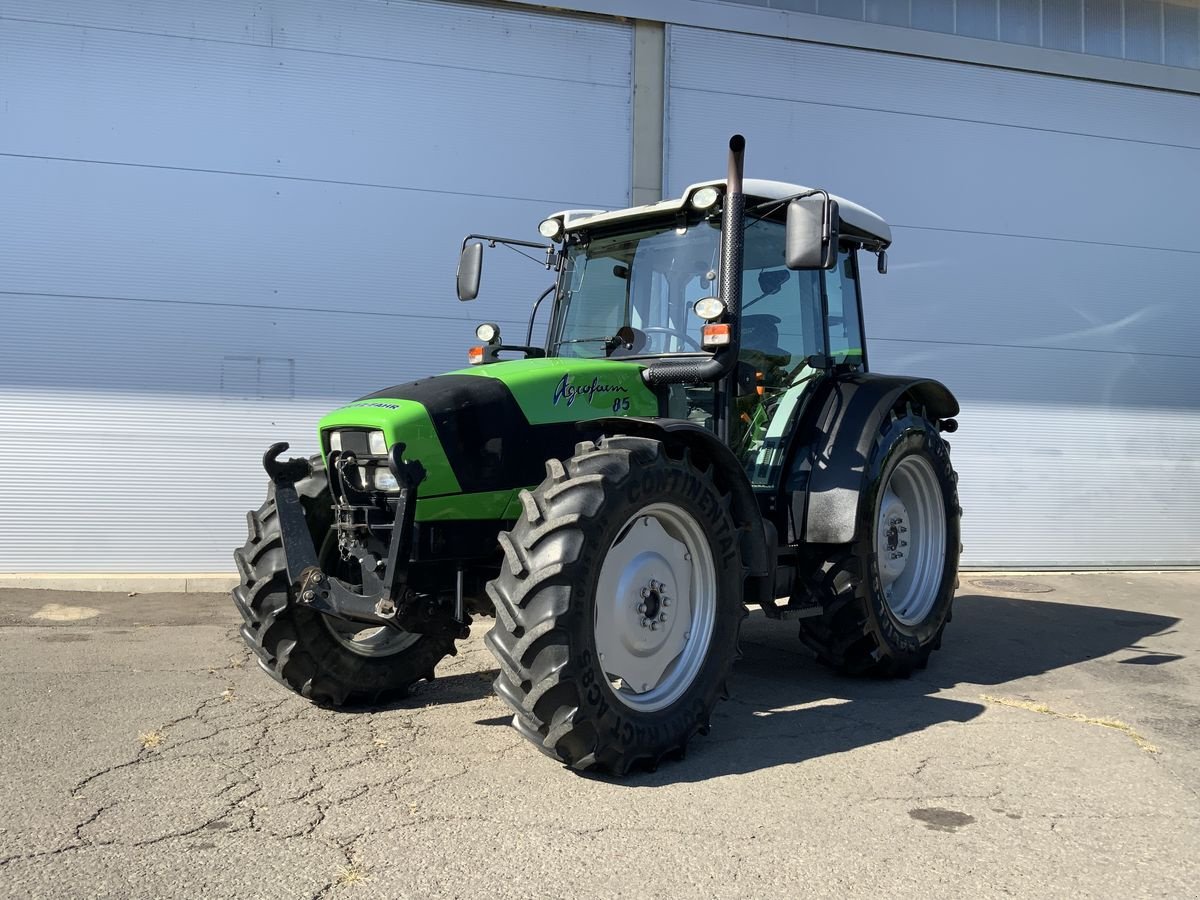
(610, 343)
(623, 338)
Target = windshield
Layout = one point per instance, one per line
(645, 281)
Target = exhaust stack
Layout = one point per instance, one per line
(733, 220)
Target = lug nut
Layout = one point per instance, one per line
(654, 626)
(666, 601)
(645, 593)
(662, 617)
(642, 608)
(309, 595)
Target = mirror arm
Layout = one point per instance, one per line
(493, 241)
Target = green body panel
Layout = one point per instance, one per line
(547, 391)
(486, 505)
(401, 420)
(563, 389)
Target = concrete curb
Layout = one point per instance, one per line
(220, 582)
(142, 582)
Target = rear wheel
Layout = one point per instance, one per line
(327, 660)
(617, 612)
(886, 598)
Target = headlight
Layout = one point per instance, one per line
(550, 228)
(358, 441)
(377, 443)
(709, 308)
(385, 480)
(705, 197)
(488, 332)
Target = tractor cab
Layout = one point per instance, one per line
(643, 285)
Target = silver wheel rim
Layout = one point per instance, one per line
(370, 641)
(364, 640)
(910, 539)
(656, 604)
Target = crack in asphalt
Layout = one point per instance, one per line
(259, 743)
(246, 762)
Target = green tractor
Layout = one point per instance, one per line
(700, 432)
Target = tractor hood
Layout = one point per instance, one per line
(488, 430)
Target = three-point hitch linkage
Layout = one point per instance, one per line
(385, 598)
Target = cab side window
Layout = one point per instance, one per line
(845, 330)
(781, 317)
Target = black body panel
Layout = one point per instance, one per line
(485, 435)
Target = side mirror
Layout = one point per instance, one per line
(812, 233)
(470, 265)
(882, 262)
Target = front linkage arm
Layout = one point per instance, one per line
(394, 605)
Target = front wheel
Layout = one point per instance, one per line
(327, 660)
(886, 598)
(618, 609)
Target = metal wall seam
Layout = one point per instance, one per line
(820, 29)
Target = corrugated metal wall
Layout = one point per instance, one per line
(222, 219)
(1046, 267)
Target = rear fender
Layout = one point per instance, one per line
(847, 426)
(757, 558)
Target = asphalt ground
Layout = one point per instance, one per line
(1051, 749)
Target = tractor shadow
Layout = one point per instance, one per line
(444, 690)
(786, 708)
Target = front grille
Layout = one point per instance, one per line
(353, 441)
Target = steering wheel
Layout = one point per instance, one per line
(683, 336)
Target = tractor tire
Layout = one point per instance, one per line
(884, 605)
(328, 661)
(618, 606)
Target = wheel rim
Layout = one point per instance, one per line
(381, 641)
(910, 539)
(656, 603)
(364, 640)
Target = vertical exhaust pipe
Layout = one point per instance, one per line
(733, 238)
(733, 226)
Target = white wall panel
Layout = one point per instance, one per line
(1045, 268)
(224, 219)
(864, 79)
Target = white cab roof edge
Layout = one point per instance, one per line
(857, 217)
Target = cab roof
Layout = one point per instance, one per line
(861, 221)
